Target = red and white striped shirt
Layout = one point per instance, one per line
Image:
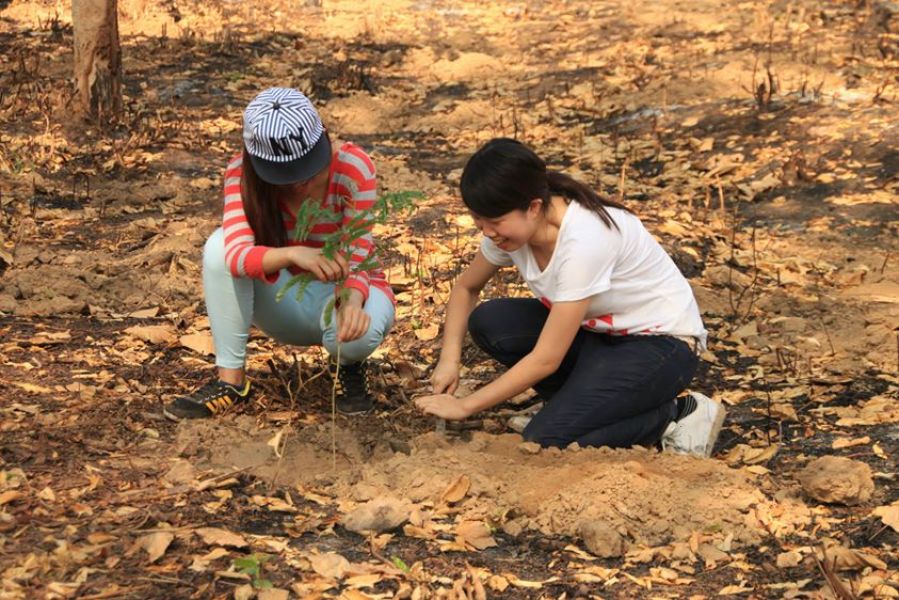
(352, 188)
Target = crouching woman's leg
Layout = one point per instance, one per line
(621, 393)
(353, 395)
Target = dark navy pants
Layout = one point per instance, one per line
(614, 391)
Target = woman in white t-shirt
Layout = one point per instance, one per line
(613, 333)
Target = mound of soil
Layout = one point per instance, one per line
(645, 496)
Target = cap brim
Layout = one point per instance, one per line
(299, 169)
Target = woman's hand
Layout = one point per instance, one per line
(352, 320)
(445, 378)
(322, 267)
(444, 406)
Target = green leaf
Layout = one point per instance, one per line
(296, 279)
(400, 564)
(262, 584)
(248, 565)
(388, 205)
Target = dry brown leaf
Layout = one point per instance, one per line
(418, 532)
(731, 590)
(842, 558)
(475, 533)
(155, 544)
(849, 443)
(45, 338)
(363, 581)
(9, 496)
(146, 313)
(747, 455)
(428, 332)
(407, 372)
(329, 564)
(203, 183)
(889, 515)
(201, 343)
(457, 545)
(457, 489)
(672, 227)
(272, 594)
(153, 334)
(274, 504)
(524, 583)
(32, 388)
(784, 412)
(352, 594)
(215, 536)
(497, 583)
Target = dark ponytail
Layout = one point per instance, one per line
(569, 187)
(505, 175)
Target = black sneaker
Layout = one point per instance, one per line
(211, 399)
(353, 397)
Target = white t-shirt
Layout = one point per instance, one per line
(633, 285)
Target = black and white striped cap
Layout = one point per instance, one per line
(284, 137)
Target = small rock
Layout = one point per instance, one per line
(379, 515)
(837, 480)
(244, 592)
(791, 324)
(529, 447)
(602, 540)
(363, 492)
(514, 527)
(182, 471)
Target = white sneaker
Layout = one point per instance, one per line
(696, 433)
(518, 422)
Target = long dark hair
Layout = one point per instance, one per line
(262, 207)
(505, 175)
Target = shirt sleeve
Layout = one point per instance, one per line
(242, 255)
(356, 182)
(585, 266)
(495, 255)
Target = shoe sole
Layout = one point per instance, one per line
(170, 416)
(348, 413)
(715, 431)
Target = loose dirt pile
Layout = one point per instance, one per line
(645, 497)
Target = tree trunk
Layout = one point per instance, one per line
(98, 58)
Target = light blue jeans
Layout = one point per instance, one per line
(234, 303)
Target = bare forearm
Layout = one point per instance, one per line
(461, 302)
(525, 373)
(275, 259)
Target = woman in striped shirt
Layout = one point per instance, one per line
(288, 160)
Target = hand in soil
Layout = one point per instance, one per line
(445, 378)
(445, 406)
